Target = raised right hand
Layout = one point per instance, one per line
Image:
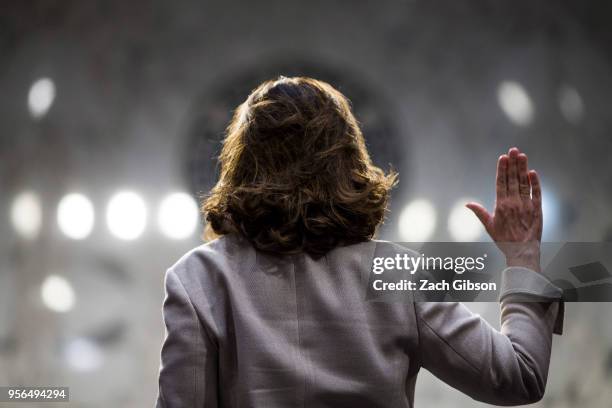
(516, 222)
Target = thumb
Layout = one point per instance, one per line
(482, 214)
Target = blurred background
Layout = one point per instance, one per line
(112, 112)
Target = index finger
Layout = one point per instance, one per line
(501, 184)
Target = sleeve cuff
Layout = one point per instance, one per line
(524, 281)
(525, 284)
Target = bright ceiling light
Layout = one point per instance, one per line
(463, 225)
(75, 216)
(83, 355)
(515, 102)
(41, 97)
(178, 216)
(26, 214)
(417, 221)
(126, 215)
(57, 294)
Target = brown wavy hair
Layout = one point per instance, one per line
(295, 174)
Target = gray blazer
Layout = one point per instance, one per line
(244, 329)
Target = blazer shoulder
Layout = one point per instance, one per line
(216, 256)
(388, 247)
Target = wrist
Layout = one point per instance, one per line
(531, 262)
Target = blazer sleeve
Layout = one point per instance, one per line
(506, 367)
(188, 369)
